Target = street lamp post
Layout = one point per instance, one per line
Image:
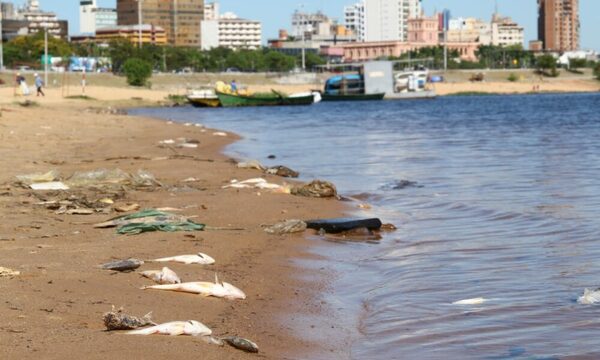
(140, 23)
(302, 28)
(1, 45)
(46, 55)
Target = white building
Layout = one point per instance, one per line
(37, 20)
(91, 17)
(506, 32)
(211, 11)
(312, 23)
(354, 19)
(231, 32)
(382, 20)
(469, 30)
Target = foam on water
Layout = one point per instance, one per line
(506, 209)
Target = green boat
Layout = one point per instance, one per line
(352, 97)
(265, 99)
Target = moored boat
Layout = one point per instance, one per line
(204, 98)
(349, 87)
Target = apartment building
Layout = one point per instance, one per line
(558, 24)
(229, 31)
(381, 20)
(91, 17)
(181, 19)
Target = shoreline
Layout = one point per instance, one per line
(55, 306)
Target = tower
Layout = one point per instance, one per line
(558, 24)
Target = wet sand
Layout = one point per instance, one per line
(54, 309)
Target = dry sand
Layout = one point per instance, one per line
(53, 310)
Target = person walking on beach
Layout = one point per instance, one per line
(22, 88)
(39, 83)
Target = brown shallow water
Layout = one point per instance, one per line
(505, 207)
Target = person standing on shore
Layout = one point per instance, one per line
(39, 83)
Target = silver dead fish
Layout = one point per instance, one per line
(123, 265)
(198, 258)
(175, 328)
(164, 276)
(241, 343)
(216, 289)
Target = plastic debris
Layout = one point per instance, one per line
(53, 185)
(251, 164)
(475, 301)
(257, 183)
(114, 177)
(333, 226)
(589, 297)
(9, 273)
(127, 207)
(241, 344)
(118, 320)
(151, 220)
(123, 265)
(287, 227)
(282, 171)
(48, 177)
(317, 188)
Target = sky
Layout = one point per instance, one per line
(275, 14)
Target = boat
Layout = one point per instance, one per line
(411, 84)
(350, 87)
(203, 98)
(230, 98)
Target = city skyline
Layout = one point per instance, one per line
(280, 16)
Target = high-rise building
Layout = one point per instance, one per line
(558, 24)
(30, 19)
(8, 10)
(382, 20)
(91, 17)
(229, 31)
(506, 32)
(181, 19)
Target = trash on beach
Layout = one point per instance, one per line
(334, 226)
(589, 297)
(219, 133)
(317, 188)
(282, 171)
(78, 211)
(167, 142)
(123, 265)
(401, 184)
(241, 344)
(104, 178)
(287, 227)
(151, 220)
(29, 179)
(53, 185)
(198, 258)
(9, 273)
(250, 164)
(474, 301)
(216, 289)
(175, 328)
(163, 277)
(187, 146)
(180, 143)
(118, 320)
(127, 207)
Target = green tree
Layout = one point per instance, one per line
(278, 62)
(312, 60)
(29, 49)
(137, 71)
(597, 70)
(546, 65)
(120, 51)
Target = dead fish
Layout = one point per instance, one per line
(198, 258)
(204, 288)
(475, 301)
(241, 344)
(164, 276)
(117, 320)
(589, 297)
(175, 328)
(282, 171)
(287, 227)
(123, 265)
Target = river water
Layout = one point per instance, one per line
(505, 207)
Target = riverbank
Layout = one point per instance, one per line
(107, 87)
(54, 308)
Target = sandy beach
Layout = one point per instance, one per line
(54, 308)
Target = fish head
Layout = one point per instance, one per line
(196, 328)
(206, 259)
(233, 292)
